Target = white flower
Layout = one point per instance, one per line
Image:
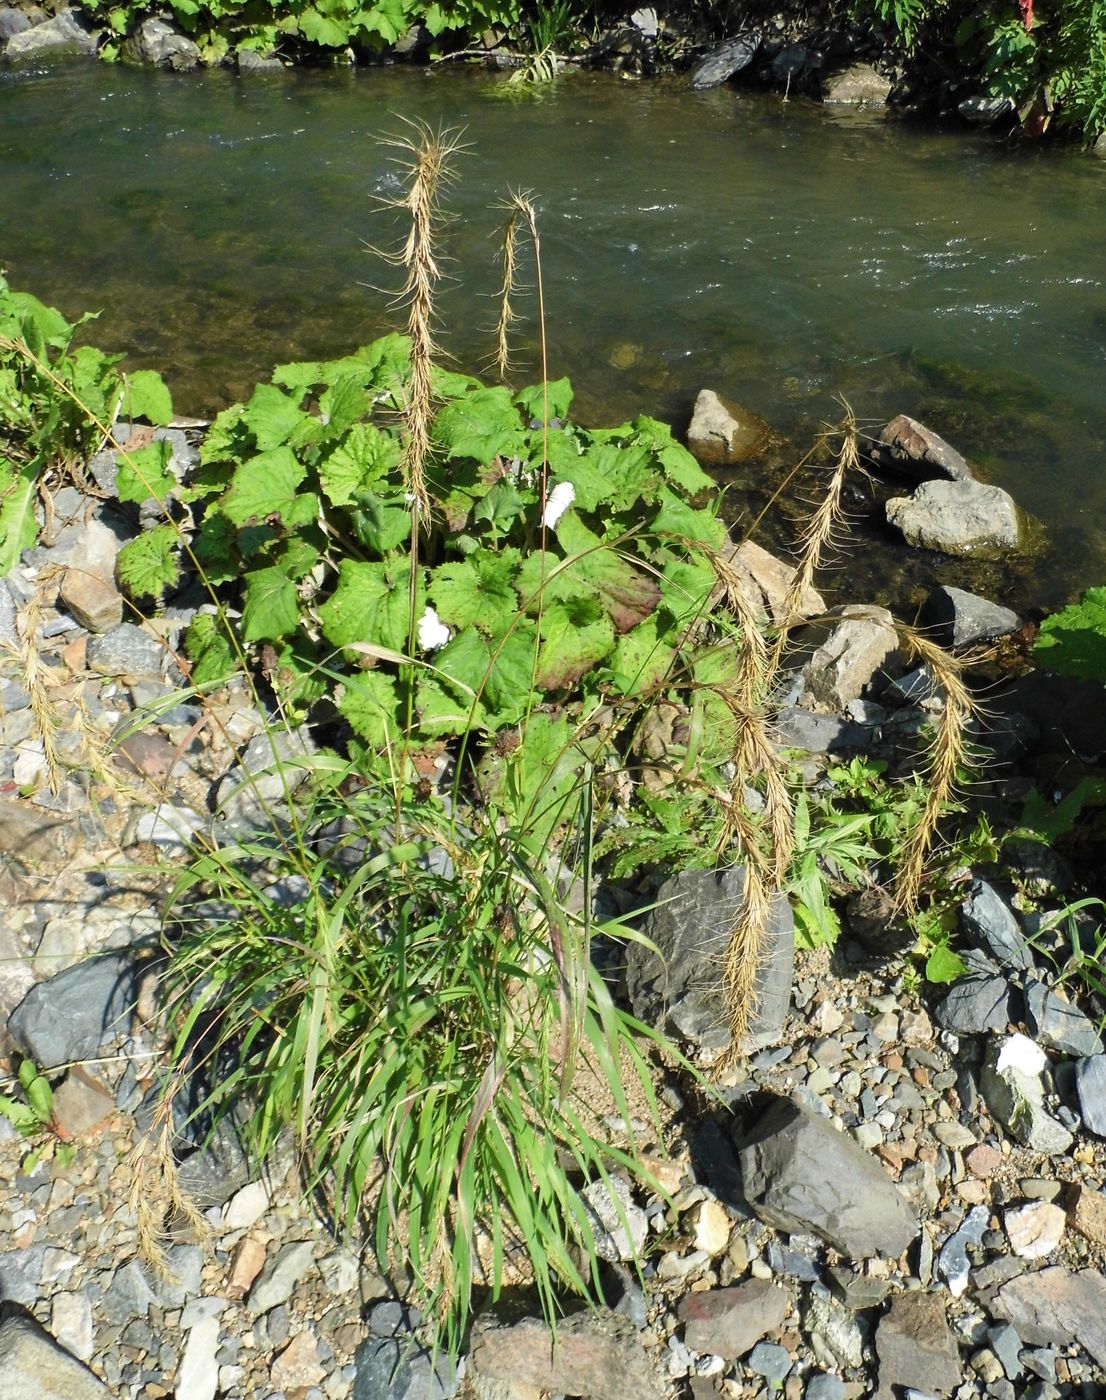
(433, 633)
(557, 502)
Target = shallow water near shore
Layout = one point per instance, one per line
(777, 252)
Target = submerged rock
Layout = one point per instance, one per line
(721, 433)
(857, 85)
(912, 448)
(958, 517)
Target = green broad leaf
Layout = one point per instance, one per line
(943, 965)
(297, 678)
(208, 648)
(321, 29)
(118, 18)
(149, 564)
(442, 709)
(1073, 642)
(686, 584)
(532, 400)
(379, 525)
(483, 425)
(226, 438)
(683, 471)
(387, 18)
(345, 402)
(214, 547)
(363, 458)
(387, 362)
(18, 527)
(628, 594)
(575, 637)
(145, 474)
(40, 1096)
(676, 517)
(272, 416)
(20, 1115)
(478, 591)
(267, 485)
(145, 395)
(642, 657)
(271, 606)
(38, 325)
(498, 672)
(368, 705)
(298, 376)
(448, 384)
(371, 604)
(299, 554)
(539, 775)
(629, 473)
(501, 506)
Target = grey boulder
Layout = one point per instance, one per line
(72, 1015)
(958, 517)
(722, 433)
(1014, 1091)
(1058, 1023)
(12, 22)
(678, 987)
(917, 451)
(1053, 1306)
(594, 1354)
(1090, 1085)
(801, 1175)
(156, 44)
(390, 1369)
(60, 37)
(915, 1346)
(957, 618)
(34, 1367)
(726, 60)
(859, 85)
(990, 922)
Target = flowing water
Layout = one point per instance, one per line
(774, 251)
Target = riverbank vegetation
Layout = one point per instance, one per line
(461, 613)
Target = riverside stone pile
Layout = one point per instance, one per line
(901, 1192)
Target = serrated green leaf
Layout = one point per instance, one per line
(675, 517)
(225, 438)
(499, 672)
(642, 656)
(442, 709)
(145, 474)
(371, 604)
(483, 425)
(575, 636)
(1073, 642)
(363, 458)
(40, 1097)
(321, 29)
(477, 591)
(22, 1118)
(272, 416)
(943, 965)
(214, 548)
(627, 472)
(368, 704)
(267, 485)
(532, 400)
(209, 650)
(501, 506)
(682, 470)
(149, 564)
(628, 595)
(381, 527)
(271, 606)
(18, 527)
(145, 395)
(344, 402)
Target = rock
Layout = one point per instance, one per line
(1058, 1023)
(126, 650)
(710, 1227)
(1006, 1345)
(824, 1388)
(801, 1175)
(913, 1344)
(273, 766)
(9, 626)
(298, 1365)
(844, 654)
(858, 1291)
(979, 1002)
(246, 1206)
(766, 582)
(387, 1369)
(247, 61)
(681, 990)
(729, 1322)
(952, 1262)
(1087, 1213)
(88, 589)
(1054, 1305)
(985, 111)
(722, 434)
(836, 1337)
(770, 1360)
(82, 1105)
(1034, 1230)
(71, 1323)
(157, 45)
(620, 1227)
(1014, 1091)
(168, 825)
(198, 1375)
(34, 1367)
(956, 618)
(876, 922)
(281, 1275)
(795, 728)
(597, 1354)
(72, 1015)
(725, 60)
(1090, 1085)
(12, 22)
(247, 1263)
(908, 446)
(859, 84)
(958, 517)
(59, 37)
(990, 923)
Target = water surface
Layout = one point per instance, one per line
(774, 251)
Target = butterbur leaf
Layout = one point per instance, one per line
(1073, 642)
(271, 607)
(642, 656)
(442, 709)
(575, 637)
(364, 456)
(501, 507)
(478, 590)
(225, 438)
(381, 527)
(676, 517)
(368, 704)
(371, 604)
(18, 527)
(499, 672)
(943, 965)
(321, 29)
(628, 472)
(532, 400)
(145, 473)
(344, 403)
(271, 416)
(264, 486)
(145, 395)
(483, 425)
(149, 564)
(628, 594)
(209, 650)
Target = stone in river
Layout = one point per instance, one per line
(722, 433)
(726, 60)
(912, 448)
(958, 517)
(957, 618)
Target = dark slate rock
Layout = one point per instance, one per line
(1058, 1023)
(915, 1346)
(957, 618)
(1006, 1345)
(976, 1004)
(800, 729)
(802, 1176)
(990, 922)
(681, 990)
(126, 650)
(73, 1014)
(770, 1360)
(34, 1367)
(129, 1295)
(726, 60)
(824, 1387)
(1053, 1306)
(597, 1354)
(1090, 1085)
(390, 1370)
(729, 1322)
(12, 22)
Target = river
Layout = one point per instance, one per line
(779, 252)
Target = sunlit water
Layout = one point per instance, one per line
(774, 251)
